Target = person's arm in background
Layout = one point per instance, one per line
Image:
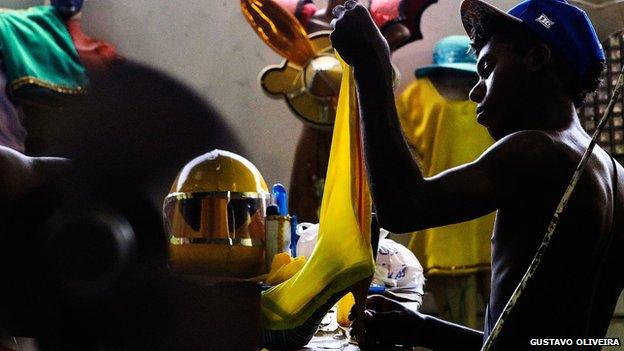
(20, 174)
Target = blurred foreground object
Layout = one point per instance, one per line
(84, 256)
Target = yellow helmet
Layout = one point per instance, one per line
(214, 215)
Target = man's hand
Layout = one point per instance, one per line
(389, 323)
(356, 37)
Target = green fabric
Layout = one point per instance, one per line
(38, 50)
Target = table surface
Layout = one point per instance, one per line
(333, 337)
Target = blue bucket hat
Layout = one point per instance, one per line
(450, 53)
(564, 27)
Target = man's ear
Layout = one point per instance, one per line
(538, 57)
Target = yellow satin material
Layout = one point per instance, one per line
(283, 268)
(343, 254)
(445, 134)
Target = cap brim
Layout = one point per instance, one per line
(461, 67)
(478, 13)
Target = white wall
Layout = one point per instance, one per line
(208, 45)
(17, 4)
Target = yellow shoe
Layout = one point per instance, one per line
(343, 255)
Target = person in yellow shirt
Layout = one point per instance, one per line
(440, 126)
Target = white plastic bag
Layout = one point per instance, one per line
(397, 266)
(308, 234)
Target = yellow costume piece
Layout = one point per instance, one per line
(445, 134)
(280, 260)
(343, 254)
(284, 267)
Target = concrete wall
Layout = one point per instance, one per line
(208, 45)
(18, 4)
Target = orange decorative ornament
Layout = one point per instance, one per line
(279, 30)
(309, 77)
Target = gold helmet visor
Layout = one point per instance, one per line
(228, 218)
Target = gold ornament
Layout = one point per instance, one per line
(311, 91)
(279, 30)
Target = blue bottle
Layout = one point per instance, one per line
(281, 200)
(293, 235)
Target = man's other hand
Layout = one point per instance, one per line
(356, 37)
(389, 323)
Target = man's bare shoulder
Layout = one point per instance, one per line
(529, 148)
(531, 164)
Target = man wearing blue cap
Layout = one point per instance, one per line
(535, 64)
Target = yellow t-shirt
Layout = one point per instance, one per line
(444, 134)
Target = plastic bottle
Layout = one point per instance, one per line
(277, 228)
(281, 199)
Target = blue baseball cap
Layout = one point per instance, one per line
(562, 26)
(451, 53)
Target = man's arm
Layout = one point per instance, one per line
(442, 335)
(404, 200)
(389, 323)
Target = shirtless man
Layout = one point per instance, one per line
(535, 65)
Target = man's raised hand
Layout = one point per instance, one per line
(356, 37)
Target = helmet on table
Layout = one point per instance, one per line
(214, 215)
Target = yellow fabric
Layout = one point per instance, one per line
(445, 134)
(284, 270)
(343, 254)
(279, 260)
(345, 304)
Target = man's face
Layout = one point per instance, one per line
(67, 8)
(500, 93)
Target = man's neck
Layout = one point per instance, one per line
(551, 98)
(550, 113)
